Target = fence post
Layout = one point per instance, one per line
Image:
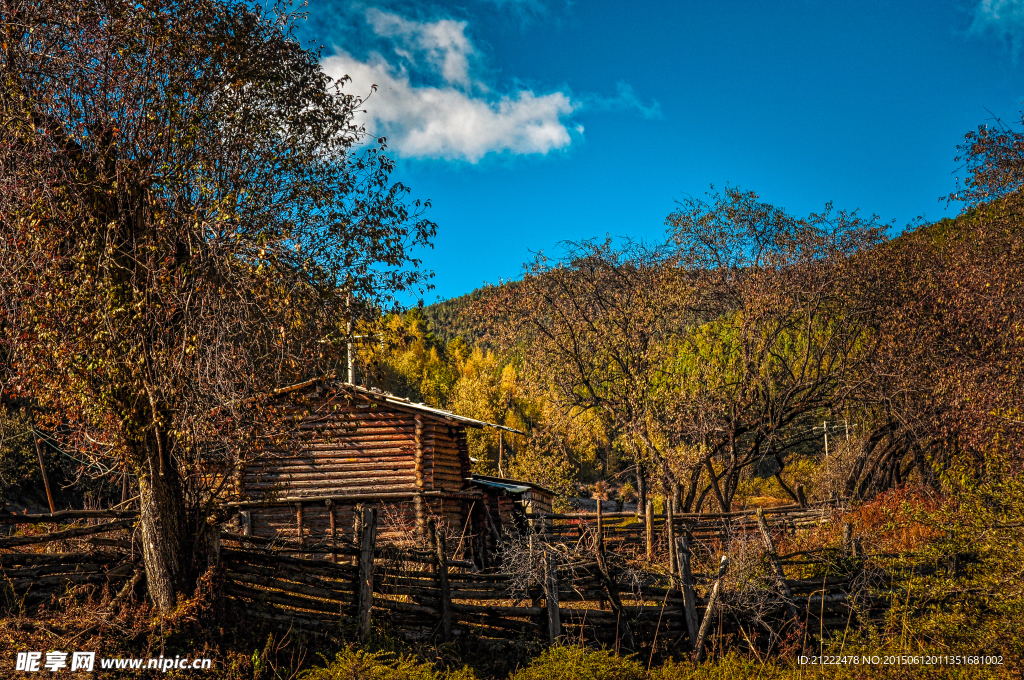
(334, 531)
(357, 528)
(686, 577)
(671, 520)
(780, 575)
(712, 601)
(245, 519)
(42, 466)
(600, 542)
(213, 557)
(366, 546)
(441, 550)
(551, 593)
(648, 525)
(298, 522)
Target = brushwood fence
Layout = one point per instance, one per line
(607, 579)
(91, 553)
(575, 577)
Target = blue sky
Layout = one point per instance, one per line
(527, 122)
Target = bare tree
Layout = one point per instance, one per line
(593, 329)
(709, 353)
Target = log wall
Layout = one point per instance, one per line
(339, 448)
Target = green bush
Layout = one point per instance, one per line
(577, 663)
(729, 667)
(352, 664)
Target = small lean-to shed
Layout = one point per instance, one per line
(514, 499)
(342, 446)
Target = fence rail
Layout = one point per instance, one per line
(28, 577)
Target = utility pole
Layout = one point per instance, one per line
(501, 452)
(824, 427)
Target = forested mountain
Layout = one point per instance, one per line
(715, 374)
(447, 319)
(465, 316)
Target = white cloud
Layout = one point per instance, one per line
(429, 103)
(443, 43)
(432, 99)
(448, 122)
(1003, 18)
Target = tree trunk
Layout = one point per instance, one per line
(714, 485)
(692, 488)
(641, 489)
(167, 543)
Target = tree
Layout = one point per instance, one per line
(403, 357)
(783, 314)
(591, 331)
(709, 353)
(943, 389)
(185, 212)
(944, 385)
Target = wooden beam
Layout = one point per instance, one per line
(42, 467)
(365, 585)
(442, 580)
(354, 498)
(334, 532)
(64, 515)
(67, 533)
(683, 557)
(670, 521)
(649, 529)
(716, 592)
(551, 595)
(780, 574)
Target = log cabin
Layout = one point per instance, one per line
(343, 447)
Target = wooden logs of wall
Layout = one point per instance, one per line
(335, 446)
(359, 447)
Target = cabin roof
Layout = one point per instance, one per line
(508, 486)
(374, 394)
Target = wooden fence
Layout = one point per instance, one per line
(422, 594)
(85, 556)
(575, 577)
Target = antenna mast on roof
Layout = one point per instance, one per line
(351, 357)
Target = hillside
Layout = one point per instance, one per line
(457, 318)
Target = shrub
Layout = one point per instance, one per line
(578, 663)
(729, 667)
(352, 664)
